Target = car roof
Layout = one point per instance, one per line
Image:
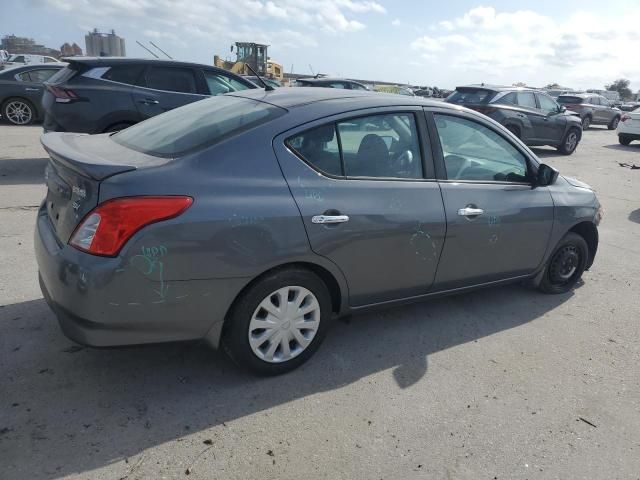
(289, 98)
(326, 79)
(581, 95)
(499, 88)
(112, 61)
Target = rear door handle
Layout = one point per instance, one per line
(522, 115)
(30, 89)
(470, 212)
(149, 101)
(330, 219)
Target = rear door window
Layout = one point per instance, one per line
(171, 79)
(128, 74)
(375, 146)
(319, 148)
(569, 99)
(509, 99)
(196, 125)
(42, 74)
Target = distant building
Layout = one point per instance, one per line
(67, 50)
(14, 44)
(104, 44)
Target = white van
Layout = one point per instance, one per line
(28, 59)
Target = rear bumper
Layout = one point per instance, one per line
(108, 302)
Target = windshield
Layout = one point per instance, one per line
(196, 125)
(471, 95)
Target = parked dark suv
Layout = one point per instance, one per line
(593, 109)
(532, 116)
(95, 95)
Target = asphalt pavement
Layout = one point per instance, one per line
(503, 383)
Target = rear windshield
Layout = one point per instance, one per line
(196, 125)
(569, 99)
(471, 95)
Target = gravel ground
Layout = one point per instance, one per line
(505, 383)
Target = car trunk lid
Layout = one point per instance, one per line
(77, 166)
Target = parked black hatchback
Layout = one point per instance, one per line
(95, 95)
(532, 116)
(21, 91)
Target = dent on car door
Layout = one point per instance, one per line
(366, 202)
(498, 226)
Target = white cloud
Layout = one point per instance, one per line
(283, 21)
(579, 50)
(396, 22)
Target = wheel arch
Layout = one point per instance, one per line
(589, 232)
(337, 292)
(37, 115)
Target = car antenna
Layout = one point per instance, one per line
(267, 87)
(166, 54)
(147, 49)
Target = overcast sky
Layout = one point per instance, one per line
(580, 44)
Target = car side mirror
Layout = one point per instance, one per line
(563, 108)
(546, 175)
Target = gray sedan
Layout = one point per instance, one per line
(255, 218)
(21, 90)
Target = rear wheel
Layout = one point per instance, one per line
(18, 111)
(614, 123)
(586, 122)
(566, 264)
(279, 322)
(624, 140)
(569, 142)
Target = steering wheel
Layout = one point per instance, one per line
(403, 162)
(455, 166)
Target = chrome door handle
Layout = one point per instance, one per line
(29, 89)
(149, 101)
(470, 212)
(330, 219)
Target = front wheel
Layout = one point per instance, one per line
(279, 322)
(569, 142)
(586, 122)
(566, 264)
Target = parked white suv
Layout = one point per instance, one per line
(629, 127)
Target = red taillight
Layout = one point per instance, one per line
(62, 95)
(106, 229)
(625, 117)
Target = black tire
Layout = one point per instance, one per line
(11, 111)
(513, 129)
(570, 142)
(624, 140)
(614, 123)
(566, 264)
(235, 338)
(117, 127)
(586, 122)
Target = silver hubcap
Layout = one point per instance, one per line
(585, 123)
(572, 140)
(18, 113)
(284, 324)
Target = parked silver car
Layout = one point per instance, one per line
(253, 219)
